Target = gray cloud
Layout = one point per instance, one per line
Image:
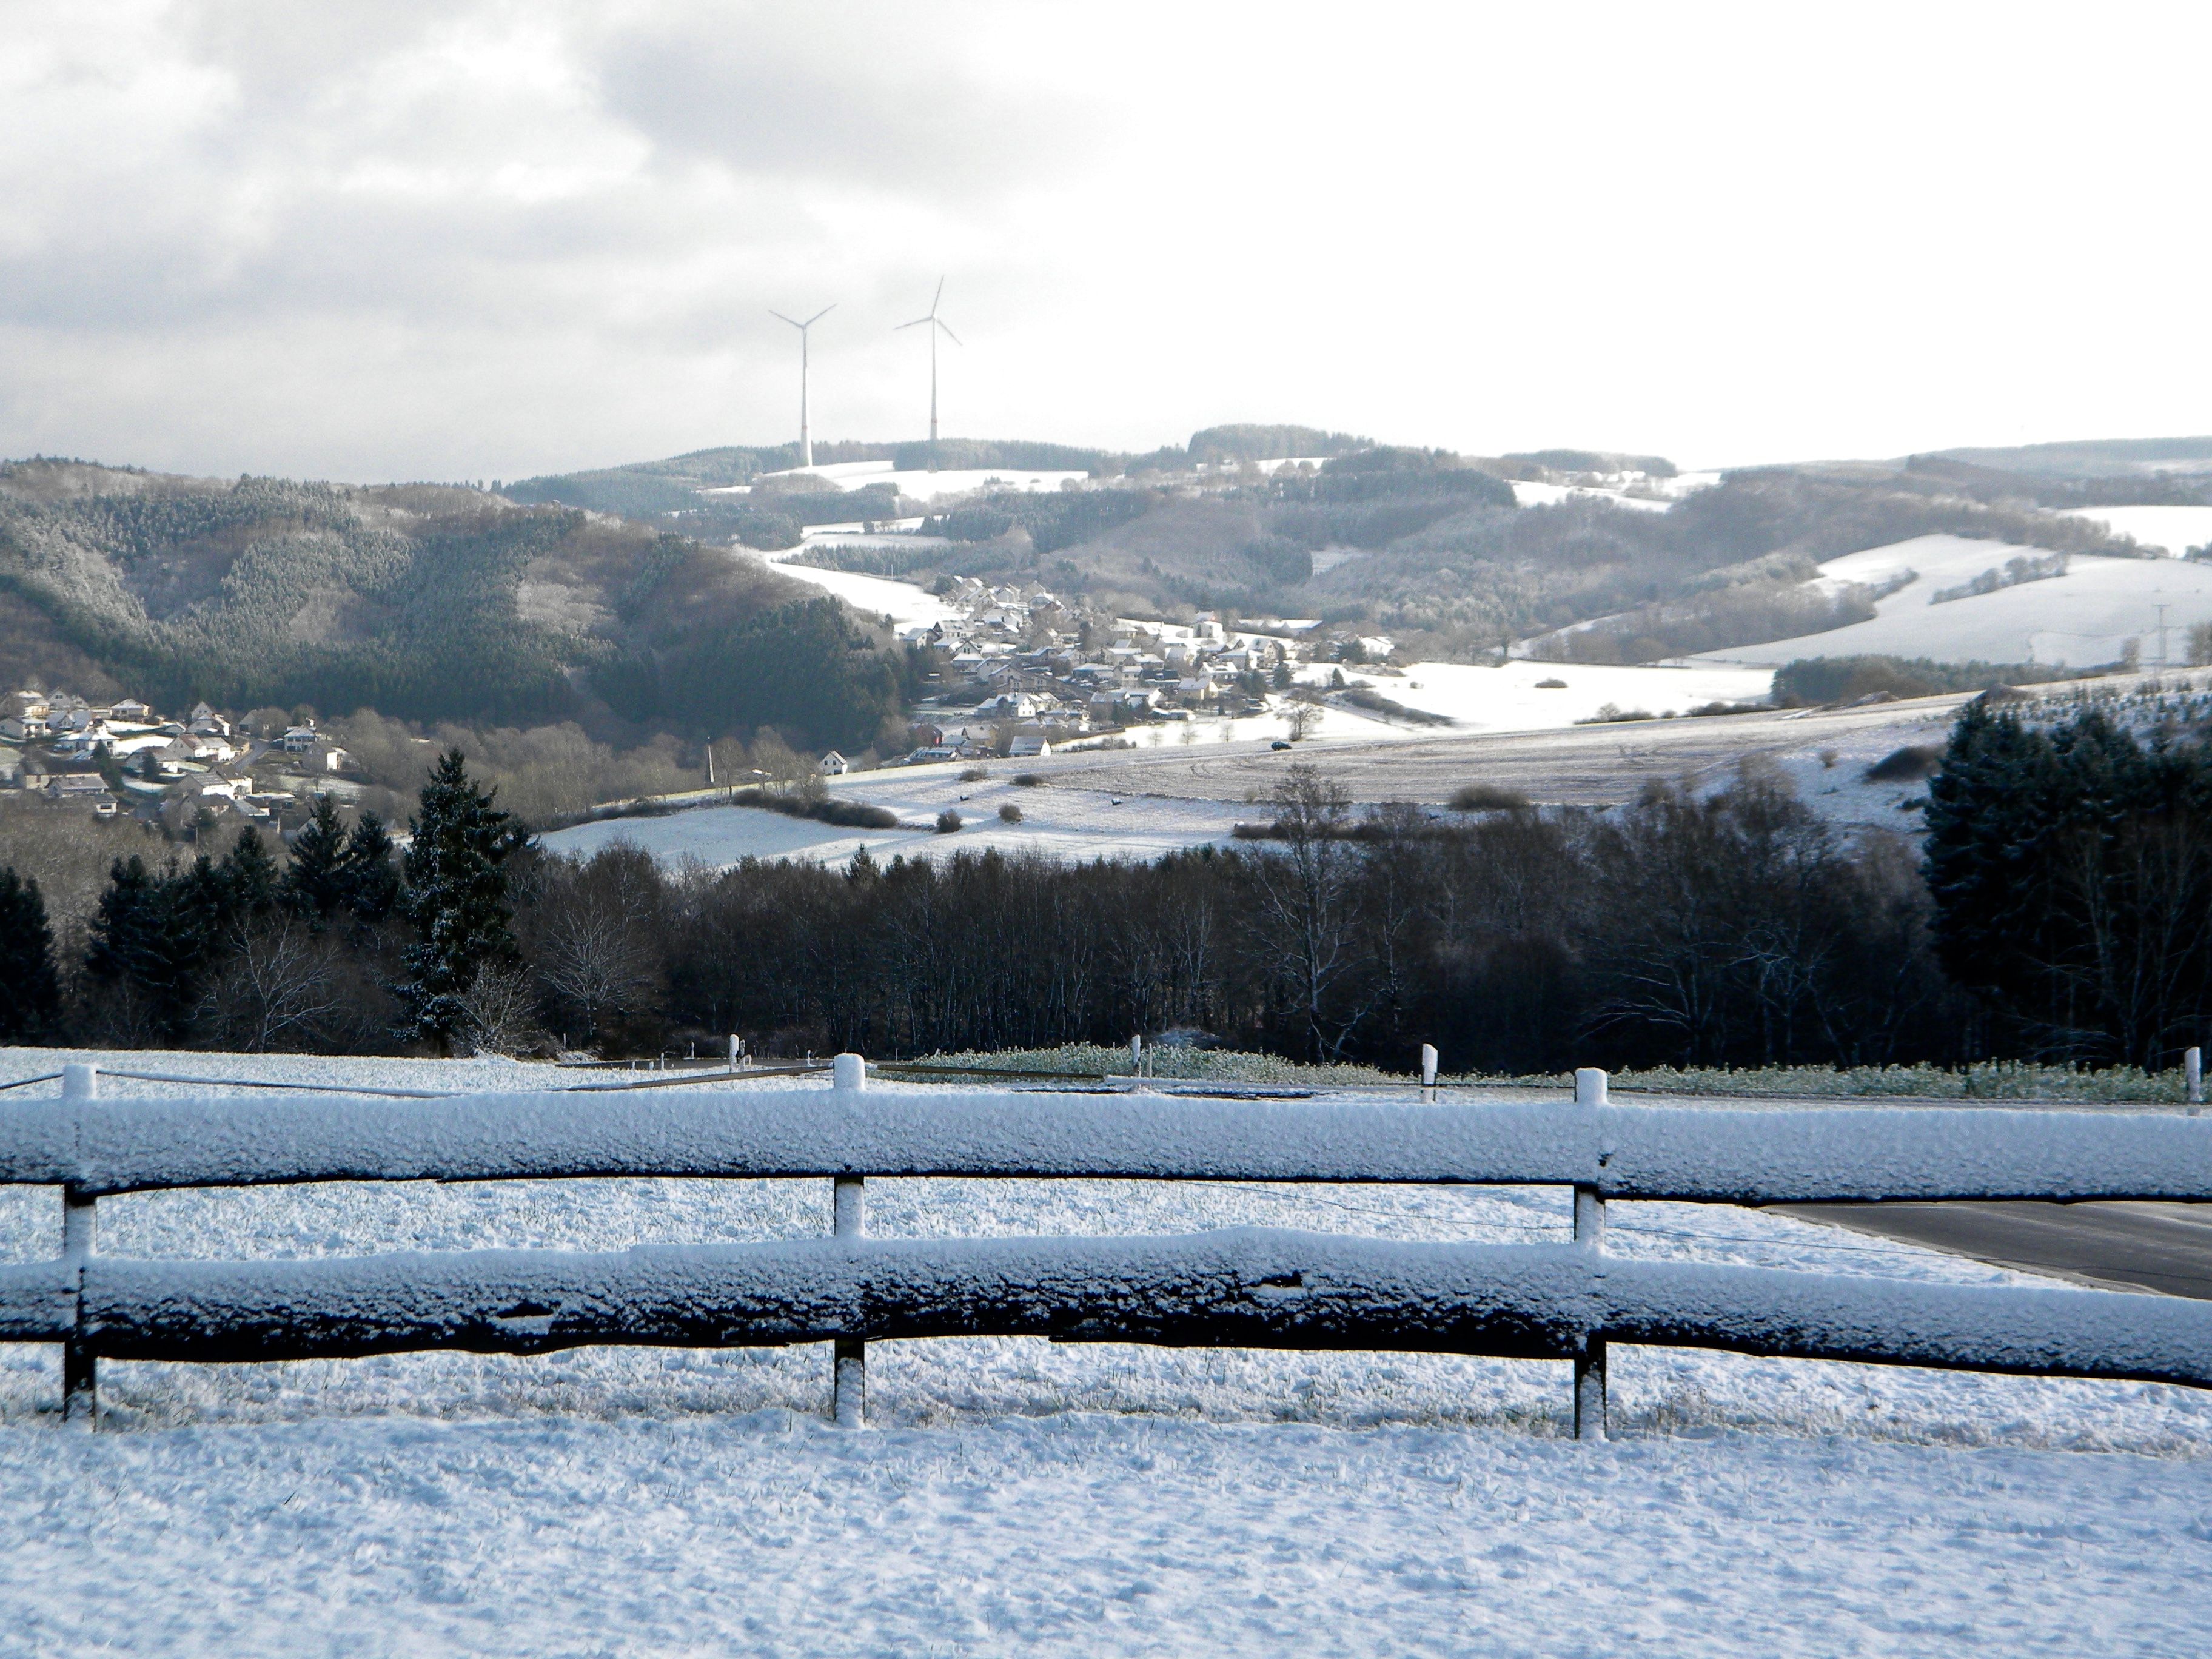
(880, 97)
(486, 237)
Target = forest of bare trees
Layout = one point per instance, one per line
(2054, 912)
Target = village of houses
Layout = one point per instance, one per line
(1011, 673)
(188, 774)
(1016, 674)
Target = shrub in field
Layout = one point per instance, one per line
(1010, 813)
(948, 820)
(1487, 798)
(1906, 765)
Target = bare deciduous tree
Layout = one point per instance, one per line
(278, 985)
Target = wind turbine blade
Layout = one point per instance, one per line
(779, 317)
(916, 323)
(936, 297)
(819, 315)
(947, 327)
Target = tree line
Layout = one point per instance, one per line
(2056, 911)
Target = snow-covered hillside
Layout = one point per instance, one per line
(920, 486)
(1068, 823)
(2086, 617)
(908, 606)
(1525, 695)
(2172, 530)
(1019, 1497)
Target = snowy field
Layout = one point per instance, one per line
(1527, 493)
(921, 486)
(2172, 530)
(1016, 1496)
(906, 605)
(1057, 823)
(1512, 696)
(2086, 617)
(1067, 821)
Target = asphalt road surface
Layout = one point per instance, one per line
(2131, 1247)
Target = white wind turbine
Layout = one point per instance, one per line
(805, 439)
(935, 322)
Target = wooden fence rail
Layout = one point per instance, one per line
(1243, 1287)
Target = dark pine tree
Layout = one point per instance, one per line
(368, 877)
(315, 885)
(457, 899)
(29, 1009)
(148, 943)
(250, 881)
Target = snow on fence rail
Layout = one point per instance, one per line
(1239, 1287)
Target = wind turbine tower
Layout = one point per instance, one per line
(805, 438)
(934, 323)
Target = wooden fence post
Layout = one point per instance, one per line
(1428, 1071)
(849, 1379)
(80, 1369)
(1589, 1233)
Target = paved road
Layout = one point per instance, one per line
(2155, 1247)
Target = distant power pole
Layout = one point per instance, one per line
(2162, 636)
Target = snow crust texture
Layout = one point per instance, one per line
(1734, 1156)
(1249, 1288)
(1023, 1496)
(1081, 1535)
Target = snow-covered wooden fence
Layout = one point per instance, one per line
(1240, 1287)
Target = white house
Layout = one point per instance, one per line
(128, 709)
(298, 739)
(833, 765)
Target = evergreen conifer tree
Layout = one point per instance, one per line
(149, 936)
(315, 885)
(368, 876)
(249, 876)
(456, 897)
(33, 1002)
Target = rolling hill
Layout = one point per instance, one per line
(431, 602)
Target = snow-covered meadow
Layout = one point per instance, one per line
(1523, 695)
(919, 484)
(1016, 1494)
(2171, 530)
(2086, 617)
(1059, 823)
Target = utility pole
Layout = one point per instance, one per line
(2162, 636)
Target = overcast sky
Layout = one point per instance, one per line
(455, 239)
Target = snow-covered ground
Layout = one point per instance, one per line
(2086, 617)
(1513, 696)
(1526, 494)
(1068, 823)
(1018, 1495)
(2173, 530)
(908, 606)
(922, 486)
